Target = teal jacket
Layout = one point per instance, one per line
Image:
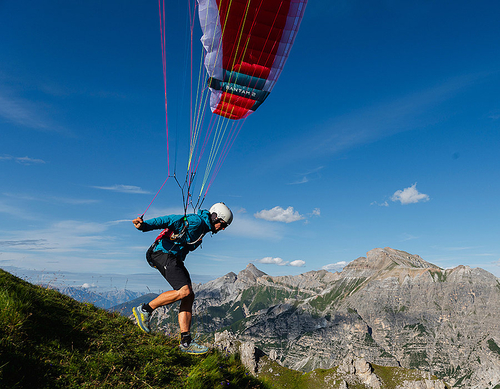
(187, 232)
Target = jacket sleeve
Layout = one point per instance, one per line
(160, 223)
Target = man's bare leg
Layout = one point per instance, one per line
(171, 297)
(186, 313)
(185, 317)
(186, 295)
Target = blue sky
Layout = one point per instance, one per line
(383, 131)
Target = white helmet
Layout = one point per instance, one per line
(221, 212)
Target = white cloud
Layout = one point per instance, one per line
(316, 212)
(384, 204)
(334, 266)
(15, 211)
(22, 160)
(272, 261)
(30, 114)
(278, 214)
(28, 160)
(405, 237)
(67, 236)
(244, 225)
(123, 189)
(303, 180)
(23, 113)
(25, 243)
(50, 199)
(409, 195)
(308, 176)
(115, 222)
(68, 245)
(280, 262)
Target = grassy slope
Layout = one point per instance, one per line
(48, 340)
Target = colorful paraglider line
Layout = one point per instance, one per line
(245, 45)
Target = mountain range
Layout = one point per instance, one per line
(101, 299)
(390, 308)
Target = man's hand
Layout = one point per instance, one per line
(138, 222)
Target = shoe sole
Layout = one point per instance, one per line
(193, 352)
(138, 319)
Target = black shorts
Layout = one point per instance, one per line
(171, 268)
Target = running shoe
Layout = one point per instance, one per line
(142, 318)
(193, 348)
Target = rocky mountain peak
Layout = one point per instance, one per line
(250, 273)
(230, 277)
(387, 259)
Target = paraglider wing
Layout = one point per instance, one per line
(247, 43)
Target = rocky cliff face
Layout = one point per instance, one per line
(390, 308)
(353, 372)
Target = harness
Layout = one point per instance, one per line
(173, 237)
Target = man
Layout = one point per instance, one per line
(181, 235)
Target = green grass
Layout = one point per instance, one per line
(342, 289)
(263, 297)
(493, 346)
(48, 340)
(280, 377)
(392, 377)
(418, 360)
(438, 275)
(419, 327)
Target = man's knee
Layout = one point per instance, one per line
(186, 292)
(187, 300)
